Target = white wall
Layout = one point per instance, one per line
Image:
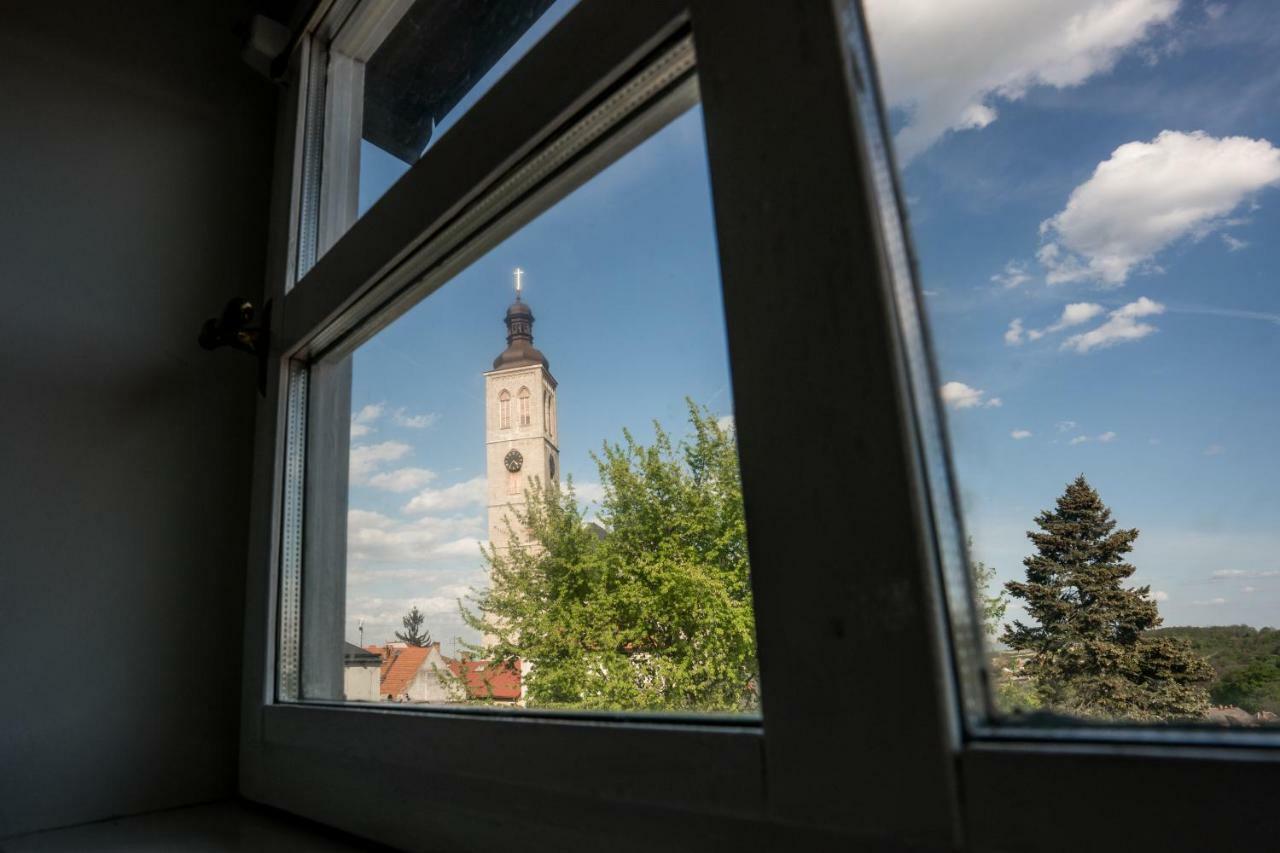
(134, 163)
(360, 683)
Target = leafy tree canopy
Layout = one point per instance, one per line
(992, 607)
(1092, 654)
(656, 613)
(1246, 660)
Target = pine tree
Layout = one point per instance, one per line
(1092, 653)
(414, 634)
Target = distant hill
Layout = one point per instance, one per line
(1246, 660)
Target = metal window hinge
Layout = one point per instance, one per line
(235, 329)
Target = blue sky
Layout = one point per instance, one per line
(1171, 412)
(623, 280)
(1092, 187)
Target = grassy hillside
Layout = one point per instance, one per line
(1247, 662)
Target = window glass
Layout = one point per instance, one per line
(440, 59)
(586, 553)
(1092, 187)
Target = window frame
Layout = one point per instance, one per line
(792, 128)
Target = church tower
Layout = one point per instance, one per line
(520, 420)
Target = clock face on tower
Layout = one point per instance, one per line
(513, 460)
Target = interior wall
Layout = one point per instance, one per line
(134, 168)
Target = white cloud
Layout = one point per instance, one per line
(1229, 574)
(402, 479)
(467, 546)
(1234, 245)
(1076, 313)
(948, 83)
(375, 537)
(1148, 195)
(961, 396)
(1214, 450)
(369, 414)
(467, 493)
(726, 423)
(1066, 426)
(366, 458)
(587, 493)
(1212, 602)
(1121, 327)
(1013, 275)
(1103, 438)
(362, 421)
(1159, 595)
(1020, 434)
(1248, 589)
(402, 418)
(1073, 314)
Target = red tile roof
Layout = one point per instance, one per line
(486, 681)
(400, 663)
(399, 668)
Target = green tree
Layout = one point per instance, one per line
(414, 634)
(1091, 653)
(992, 606)
(656, 614)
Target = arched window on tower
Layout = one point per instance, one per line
(524, 406)
(504, 410)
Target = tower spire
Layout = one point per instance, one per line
(519, 320)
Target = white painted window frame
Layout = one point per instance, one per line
(867, 730)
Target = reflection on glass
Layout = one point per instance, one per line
(545, 508)
(1092, 191)
(440, 59)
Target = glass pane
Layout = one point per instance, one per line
(544, 507)
(1092, 191)
(439, 60)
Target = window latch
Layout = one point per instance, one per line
(236, 329)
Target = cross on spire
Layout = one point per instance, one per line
(519, 273)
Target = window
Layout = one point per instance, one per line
(635, 603)
(875, 725)
(523, 397)
(391, 79)
(504, 409)
(1088, 349)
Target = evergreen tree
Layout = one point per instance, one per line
(414, 634)
(656, 614)
(1092, 653)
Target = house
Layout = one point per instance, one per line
(425, 674)
(361, 674)
(483, 680)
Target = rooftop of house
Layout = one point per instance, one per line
(401, 663)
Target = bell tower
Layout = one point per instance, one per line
(521, 432)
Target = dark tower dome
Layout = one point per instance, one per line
(520, 350)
